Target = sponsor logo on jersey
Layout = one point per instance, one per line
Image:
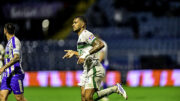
(91, 37)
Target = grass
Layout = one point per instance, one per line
(73, 94)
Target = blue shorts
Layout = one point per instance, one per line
(105, 66)
(13, 83)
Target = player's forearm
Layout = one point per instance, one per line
(76, 53)
(97, 45)
(101, 56)
(13, 61)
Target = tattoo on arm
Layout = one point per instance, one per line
(13, 61)
(97, 45)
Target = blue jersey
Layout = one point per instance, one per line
(13, 47)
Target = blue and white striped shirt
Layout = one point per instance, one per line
(13, 47)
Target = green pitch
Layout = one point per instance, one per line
(73, 94)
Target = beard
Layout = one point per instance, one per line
(77, 30)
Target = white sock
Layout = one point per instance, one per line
(107, 91)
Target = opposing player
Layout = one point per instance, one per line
(1, 59)
(88, 46)
(13, 73)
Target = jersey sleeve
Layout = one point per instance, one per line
(90, 38)
(16, 47)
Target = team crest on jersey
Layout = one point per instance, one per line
(91, 37)
(6, 56)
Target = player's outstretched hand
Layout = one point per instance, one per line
(80, 61)
(69, 54)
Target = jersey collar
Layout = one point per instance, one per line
(10, 39)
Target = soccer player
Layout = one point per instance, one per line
(1, 59)
(13, 73)
(88, 46)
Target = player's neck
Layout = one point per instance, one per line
(9, 36)
(80, 31)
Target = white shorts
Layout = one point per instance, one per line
(92, 78)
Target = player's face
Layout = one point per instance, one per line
(77, 24)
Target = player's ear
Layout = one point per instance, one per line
(83, 25)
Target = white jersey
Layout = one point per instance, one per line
(93, 72)
(13, 47)
(1, 59)
(1, 55)
(84, 45)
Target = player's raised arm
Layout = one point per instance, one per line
(97, 45)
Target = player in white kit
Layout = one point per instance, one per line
(1, 59)
(87, 47)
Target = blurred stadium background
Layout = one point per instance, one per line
(143, 38)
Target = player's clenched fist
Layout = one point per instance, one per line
(80, 61)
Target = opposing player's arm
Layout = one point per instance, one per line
(12, 62)
(97, 45)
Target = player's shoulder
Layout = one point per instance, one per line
(16, 39)
(86, 33)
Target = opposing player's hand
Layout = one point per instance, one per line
(1, 70)
(80, 61)
(69, 54)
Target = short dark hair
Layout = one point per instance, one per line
(10, 28)
(82, 18)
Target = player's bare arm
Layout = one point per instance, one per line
(97, 45)
(101, 57)
(12, 62)
(70, 53)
